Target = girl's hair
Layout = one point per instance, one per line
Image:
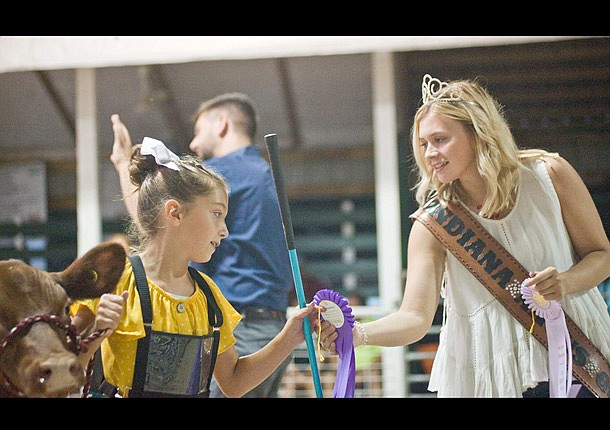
(497, 156)
(157, 184)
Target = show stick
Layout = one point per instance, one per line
(278, 177)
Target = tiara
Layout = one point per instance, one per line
(431, 87)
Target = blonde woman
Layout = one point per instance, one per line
(536, 205)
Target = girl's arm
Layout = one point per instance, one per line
(238, 375)
(109, 313)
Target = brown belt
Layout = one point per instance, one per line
(262, 313)
(502, 275)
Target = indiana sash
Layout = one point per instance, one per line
(502, 275)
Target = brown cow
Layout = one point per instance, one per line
(38, 346)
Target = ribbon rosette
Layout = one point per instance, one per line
(560, 350)
(339, 314)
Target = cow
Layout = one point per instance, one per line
(38, 345)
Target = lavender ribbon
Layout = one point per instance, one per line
(560, 350)
(339, 314)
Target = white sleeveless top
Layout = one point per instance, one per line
(483, 350)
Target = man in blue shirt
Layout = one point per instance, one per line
(251, 266)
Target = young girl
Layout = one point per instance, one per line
(536, 205)
(181, 217)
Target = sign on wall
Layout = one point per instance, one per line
(23, 192)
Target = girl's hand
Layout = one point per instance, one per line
(294, 325)
(109, 312)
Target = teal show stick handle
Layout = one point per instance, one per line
(278, 177)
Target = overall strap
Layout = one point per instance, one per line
(214, 313)
(502, 275)
(214, 316)
(139, 372)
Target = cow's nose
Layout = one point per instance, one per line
(66, 367)
(60, 374)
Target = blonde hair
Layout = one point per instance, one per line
(497, 156)
(157, 184)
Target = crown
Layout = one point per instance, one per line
(431, 87)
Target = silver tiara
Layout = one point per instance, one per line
(431, 87)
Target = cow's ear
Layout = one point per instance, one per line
(95, 273)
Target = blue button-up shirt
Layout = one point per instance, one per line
(251, 266)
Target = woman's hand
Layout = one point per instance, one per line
(549, 283)
(328, 334)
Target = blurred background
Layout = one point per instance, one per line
(342, 109)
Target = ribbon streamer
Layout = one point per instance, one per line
(559, 347)
(339, 314)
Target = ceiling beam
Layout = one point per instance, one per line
(169, 109)
(290, 103)
(58, 102)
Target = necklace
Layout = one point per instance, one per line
(479, 206)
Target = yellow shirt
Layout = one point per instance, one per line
(119, 349)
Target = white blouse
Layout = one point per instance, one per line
(483, 350)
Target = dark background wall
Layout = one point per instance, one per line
(556, 96)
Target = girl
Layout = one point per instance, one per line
(181, 209)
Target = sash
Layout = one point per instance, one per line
(502, 275)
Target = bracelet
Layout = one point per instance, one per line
(363, 335)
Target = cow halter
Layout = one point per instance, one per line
(75, 345)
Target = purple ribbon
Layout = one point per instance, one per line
(560, 350)
(339, 314)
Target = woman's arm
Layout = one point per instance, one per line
(586, 232)
(425, 268)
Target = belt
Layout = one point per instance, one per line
(262, 313)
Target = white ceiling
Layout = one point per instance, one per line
(311, 91)
(52, 52)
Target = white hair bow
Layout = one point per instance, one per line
(163, 156)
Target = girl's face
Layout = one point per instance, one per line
(447, 148)
(206, 222)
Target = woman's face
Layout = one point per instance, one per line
(205, 220)
(447, 147)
